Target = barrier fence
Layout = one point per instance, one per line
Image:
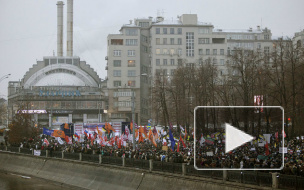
(274, 180)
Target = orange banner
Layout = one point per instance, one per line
(58, 133)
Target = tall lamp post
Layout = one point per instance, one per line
(133, 112)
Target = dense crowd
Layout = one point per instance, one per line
(209, 154)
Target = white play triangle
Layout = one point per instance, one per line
(235, 138)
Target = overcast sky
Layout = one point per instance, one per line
(28, 27)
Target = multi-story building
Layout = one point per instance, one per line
(158, 46)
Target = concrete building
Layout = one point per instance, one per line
(154, 46)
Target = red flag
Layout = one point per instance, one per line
(185, 133)
(67, 139)
(277, 135)
(180, 139)
(131, 126)
(177, 147)
(284, 134)
(46, 142)
(266, 149)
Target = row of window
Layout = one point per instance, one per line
(117, 83)
(204, 30)
(189, 51)
(117, 63)
(165, 41)
(117, 53)
(129, 42)
(131, 73)
(169, 31)
(208, 52)
(166, 62)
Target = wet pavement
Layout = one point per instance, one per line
(11, 181)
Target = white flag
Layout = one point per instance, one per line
(202, 140)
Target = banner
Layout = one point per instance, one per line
(281, 150)
(37, 152)
(58, 133)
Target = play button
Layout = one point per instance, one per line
(235, 138)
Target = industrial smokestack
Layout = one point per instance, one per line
(70, 28)
(59, 28)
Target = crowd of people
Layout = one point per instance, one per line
(210, 151)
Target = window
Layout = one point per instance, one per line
(200, 51)
(207, 51)
(157, 71)
(222, 52)
(117, 83)
(164, 30)
(190, 44)
(131, 73)
(179, 41)
(203, 41)
(214, 51)
(157, 41)
(144, 38)
(203, 30)
(172, 72)
(131, 63)
(117, 63)
(164, 41)
(171, 30)
(259, 45)
(222, 61)
(143, 24)
(157, 51)
(157, 30)
(157, 61)
(131, 42)
(172, 61)
(117, 53)
(266, 37)
(179, 31)
(266, 50)
(165, 72)
(131, 83)
(116, 41)
(179, 52)
(165, 51)
(117, 73)
(180, 62)
(131, 32)
(172, 51)
(214, 61)
(172, 41)
(131, 53)
(165, 62)
(145, 49)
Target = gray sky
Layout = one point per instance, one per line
(28, 27)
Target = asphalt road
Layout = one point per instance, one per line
(11, 181)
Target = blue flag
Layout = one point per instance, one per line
(171, 139)
(47, 131)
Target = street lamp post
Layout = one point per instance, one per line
(4, 77)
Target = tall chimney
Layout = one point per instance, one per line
(59, 28)
(70, 28)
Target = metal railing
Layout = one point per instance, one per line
(246, 177)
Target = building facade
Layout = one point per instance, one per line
(157, 46)
(59, 90)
